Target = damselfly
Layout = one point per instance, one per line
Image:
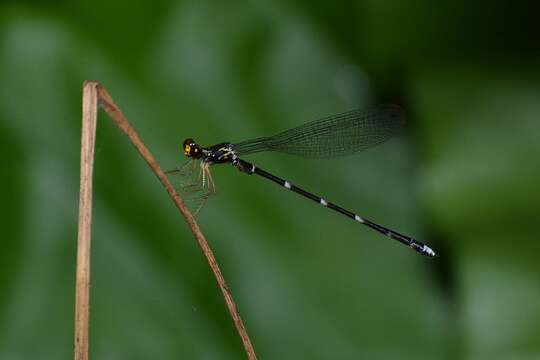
(333, 136)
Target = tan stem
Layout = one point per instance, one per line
(106, 102)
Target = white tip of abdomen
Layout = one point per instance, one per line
(428, 251)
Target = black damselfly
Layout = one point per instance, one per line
(333, 136)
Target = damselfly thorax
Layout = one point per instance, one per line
(333, 136)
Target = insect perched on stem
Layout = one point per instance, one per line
(333, 136)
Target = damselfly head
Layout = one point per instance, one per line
(192, 149)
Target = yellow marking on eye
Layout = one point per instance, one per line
(187, 149)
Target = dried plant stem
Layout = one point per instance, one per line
(106, 102)
(82, 286)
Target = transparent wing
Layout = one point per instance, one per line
(194, 184)
(333, 136)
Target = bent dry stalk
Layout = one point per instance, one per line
(94, 94)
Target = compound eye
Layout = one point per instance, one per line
(195, 151)
(189, 145)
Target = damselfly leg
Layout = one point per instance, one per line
(194, 183)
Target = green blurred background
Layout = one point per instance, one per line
(309, 284)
